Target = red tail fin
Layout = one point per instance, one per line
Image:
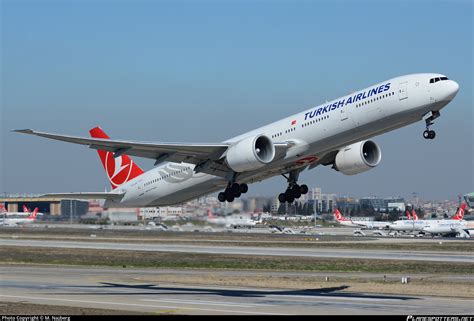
(209, 214)
(34, 214)
(339, 216)
(408, 215)
(413, 215)
(26, 209)
(2, 208)
(460, 213)
(120, 169)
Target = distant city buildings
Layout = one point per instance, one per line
(383, 205)
(314, 202)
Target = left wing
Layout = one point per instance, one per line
(86, 195)
(208, 158)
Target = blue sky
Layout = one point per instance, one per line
(204, 71)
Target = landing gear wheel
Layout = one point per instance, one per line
(229, 198)
(244, 188)
(221, 197)
(290, 199)
(237, 195)
(304, 189)
(429, 134)
(282, 198)
(295, 190)
(235, 188)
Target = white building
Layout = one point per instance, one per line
(164, 213)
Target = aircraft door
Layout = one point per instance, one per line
(402, 91)
(344, 114)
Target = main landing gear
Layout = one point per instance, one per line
(233, 191)
(428, 133)
(294, 191)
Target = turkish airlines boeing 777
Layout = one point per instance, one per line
(335, 133)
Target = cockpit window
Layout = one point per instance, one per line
(433, 80)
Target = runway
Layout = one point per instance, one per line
(126, 290)
(433, 256)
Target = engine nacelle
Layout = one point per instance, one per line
(250, 153)
(358, 157)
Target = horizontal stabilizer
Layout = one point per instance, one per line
(86, 195)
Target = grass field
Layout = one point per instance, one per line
(12, 254)
(238, 239)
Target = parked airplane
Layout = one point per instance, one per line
(416, 225)
(15, 220)
(4, 212)
(359, 223)
(335, 133)
(343, 220)
(232, 221)
(26, 212)
(455, 226)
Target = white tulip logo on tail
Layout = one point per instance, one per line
(118, 169)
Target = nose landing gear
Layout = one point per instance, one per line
(430, 117)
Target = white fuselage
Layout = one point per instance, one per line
(449, 227)
(372, 224)
(410, 225)
(9, 221)
(237, 220)
(372, 111)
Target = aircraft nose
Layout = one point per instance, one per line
(452, 89)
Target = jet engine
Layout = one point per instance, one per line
(250, 153)
(358, 157)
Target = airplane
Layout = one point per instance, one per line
(455, 226)
(4, 212)
(426, 225)
(14, 221)
(232, 221)
(359, 223)
(336, 133)
(26, 212)
(343, 220)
